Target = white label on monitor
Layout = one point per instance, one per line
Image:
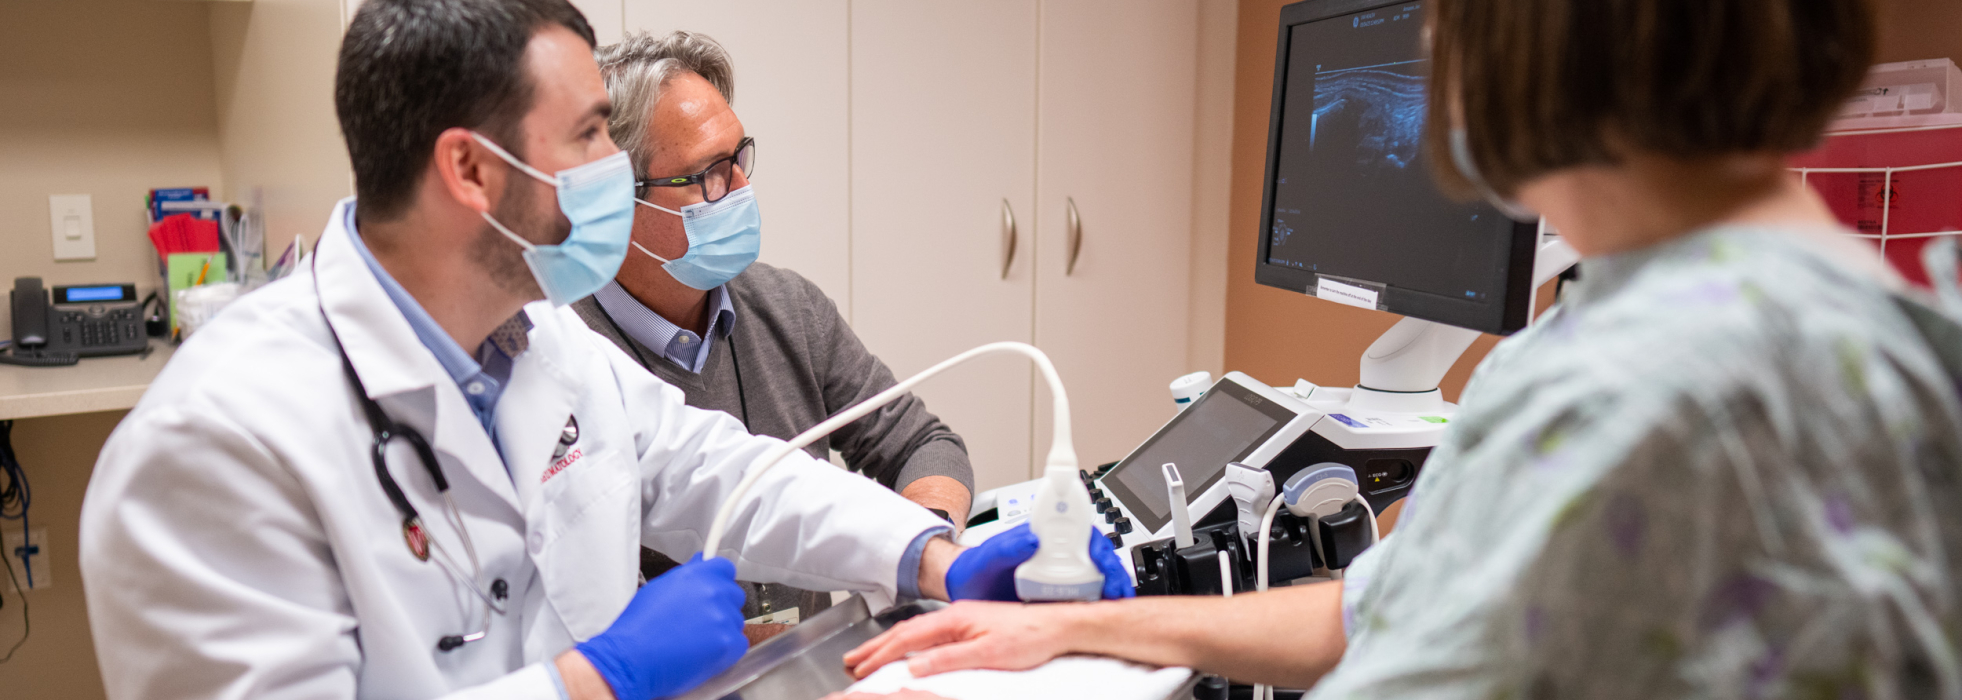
(1340, 293)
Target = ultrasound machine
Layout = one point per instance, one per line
(1350, 215)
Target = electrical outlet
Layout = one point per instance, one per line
(28, 555)
(72, 217)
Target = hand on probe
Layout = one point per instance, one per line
(987, 571)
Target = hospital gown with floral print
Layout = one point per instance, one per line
(1723, 467)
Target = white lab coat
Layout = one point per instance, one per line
(236, 541)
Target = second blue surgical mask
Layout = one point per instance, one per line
(598, 198)
(724, 238)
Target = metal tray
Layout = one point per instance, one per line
(807, 662)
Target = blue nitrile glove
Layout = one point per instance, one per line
(987, 572)
(1117, 572)
(681, 628)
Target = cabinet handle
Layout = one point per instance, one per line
(1007, 238)
(1076, 236)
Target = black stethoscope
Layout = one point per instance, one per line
(420, 543)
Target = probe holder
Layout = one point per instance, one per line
(1163, 568)
(1344, 535)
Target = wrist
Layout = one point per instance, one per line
(935, 560)
(582, 679)
(1079, 626)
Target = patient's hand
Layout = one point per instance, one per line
(971, 634)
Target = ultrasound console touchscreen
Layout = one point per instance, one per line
(1225, 425)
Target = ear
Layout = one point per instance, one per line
(466, 170)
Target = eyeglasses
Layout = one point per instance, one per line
(714, 180)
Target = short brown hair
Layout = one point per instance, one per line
(1551, 84)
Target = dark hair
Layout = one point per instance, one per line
(1551, 84)
(410, 69)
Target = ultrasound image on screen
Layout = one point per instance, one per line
(1353, 196)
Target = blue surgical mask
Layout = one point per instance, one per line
(724, 237)
(598, 198)
(1461, 157)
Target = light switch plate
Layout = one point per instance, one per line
(72, 218)
(25, 553)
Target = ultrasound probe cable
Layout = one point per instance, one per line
(1062, 451)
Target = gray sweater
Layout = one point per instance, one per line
(799, 364)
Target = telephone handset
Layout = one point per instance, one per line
(31, 310)
(30, 313)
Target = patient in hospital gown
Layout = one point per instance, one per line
(1725, 466)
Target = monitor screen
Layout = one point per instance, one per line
(1225, 425)
(1350, 194)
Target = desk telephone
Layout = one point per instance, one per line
(83, 321)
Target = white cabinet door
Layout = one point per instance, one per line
(943, 134)
(792, 94)
(1117, 119)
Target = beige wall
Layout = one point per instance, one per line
(1212, 186)
(107, 98)
(607, 18)
(114, 97)
(279, 142)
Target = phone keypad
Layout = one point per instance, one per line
(100, 327)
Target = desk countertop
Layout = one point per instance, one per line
(96, 384)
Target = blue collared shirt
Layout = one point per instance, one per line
(678, 344)
(481, 378)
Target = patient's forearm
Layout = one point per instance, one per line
(1288, 637)
(943, 493)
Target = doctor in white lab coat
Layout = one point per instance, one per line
(235, 518)
(237, 539)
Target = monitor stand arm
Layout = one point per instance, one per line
(1401, 370)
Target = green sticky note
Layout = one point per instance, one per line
(182, 272)
(1434, 419)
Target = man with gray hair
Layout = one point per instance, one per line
(759, 342)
